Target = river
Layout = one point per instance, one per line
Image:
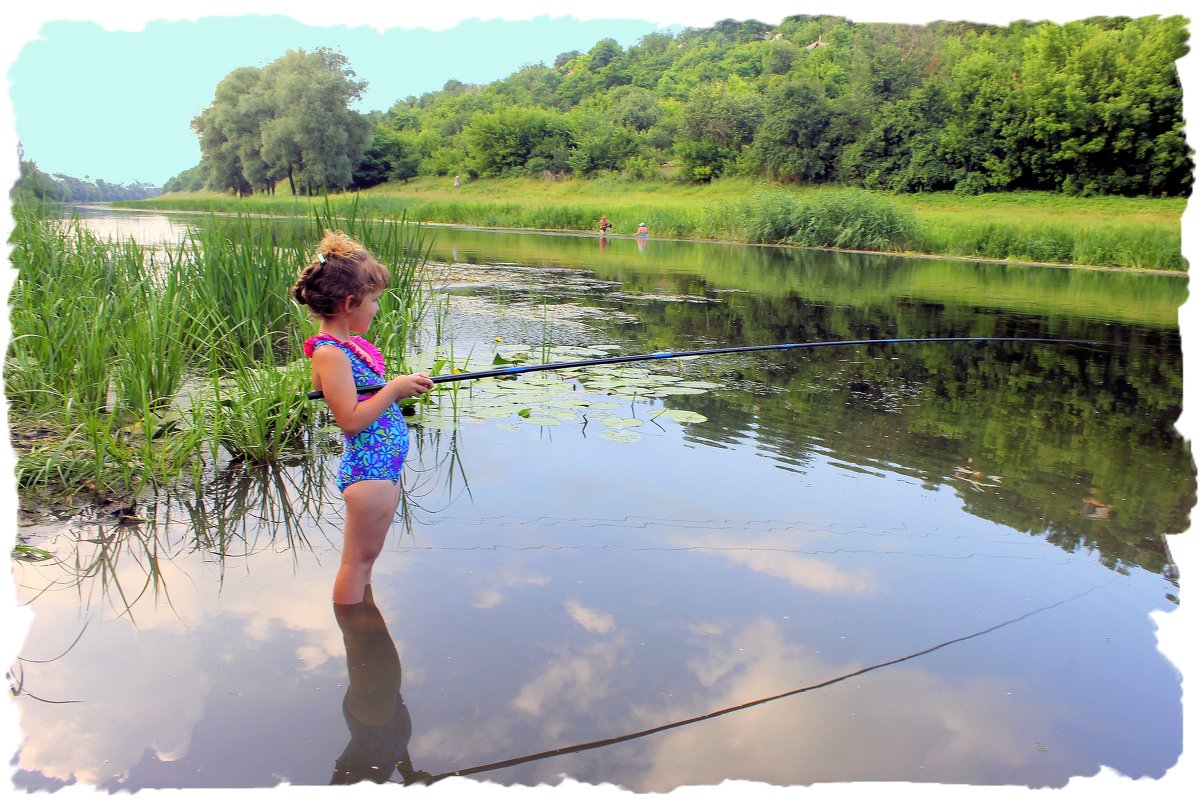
(929, 562)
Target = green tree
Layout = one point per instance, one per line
(313, 135)
(717, 123)
(291, 118)
(518, 140)
(797, 140)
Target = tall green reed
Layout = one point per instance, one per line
(144, 362)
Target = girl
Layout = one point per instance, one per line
(341, 287)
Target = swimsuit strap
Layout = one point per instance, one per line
(368, 352)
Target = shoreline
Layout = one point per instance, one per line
(591, 234)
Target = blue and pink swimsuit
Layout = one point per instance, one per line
(377, 452)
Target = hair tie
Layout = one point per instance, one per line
(320, 257)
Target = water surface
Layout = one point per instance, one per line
(970, 536)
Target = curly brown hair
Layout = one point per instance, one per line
(340, 268)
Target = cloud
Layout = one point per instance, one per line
(902, 723)
(762, 554)
(591, 620)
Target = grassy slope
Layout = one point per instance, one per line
(1017, 226)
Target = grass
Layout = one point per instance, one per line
(128, 366)
(1135, 233)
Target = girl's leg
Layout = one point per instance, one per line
(370, 507)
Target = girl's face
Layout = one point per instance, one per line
(361, 315)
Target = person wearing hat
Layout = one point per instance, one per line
(642, 231)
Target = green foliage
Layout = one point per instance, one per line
(518, 141)
(126, 362)
(290, 119)
(853, 219)
(35, 186)
(849, 219)
(1090, 107)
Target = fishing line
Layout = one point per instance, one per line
(425, 778)
(591, 362)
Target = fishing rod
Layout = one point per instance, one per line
(591, 362)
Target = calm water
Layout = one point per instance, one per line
(969, 536)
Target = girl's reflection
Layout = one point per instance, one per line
(380, 726)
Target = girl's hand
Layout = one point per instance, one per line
(413, 385)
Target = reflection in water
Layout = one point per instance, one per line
(831, 512)
(379, 722)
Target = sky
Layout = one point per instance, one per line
(107, 91)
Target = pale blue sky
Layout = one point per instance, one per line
(110, 92)
(117, 105)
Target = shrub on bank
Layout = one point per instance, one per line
(849, 219)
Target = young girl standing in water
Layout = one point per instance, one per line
(341, 287)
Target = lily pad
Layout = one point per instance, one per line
(623, 437)
(569, 402)
(680, 415)
(541, 419)
(672, 390)
(619, 422)
(433, 423)
(493, 412)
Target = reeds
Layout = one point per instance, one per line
(128, 364)
(849, 219)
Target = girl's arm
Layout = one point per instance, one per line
(333, 376)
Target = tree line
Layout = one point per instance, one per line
(36, 185)
(1090, 107)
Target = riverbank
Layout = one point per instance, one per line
(1027, 227)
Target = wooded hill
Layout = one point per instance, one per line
(1090, 107)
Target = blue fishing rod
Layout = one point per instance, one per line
(591, 362)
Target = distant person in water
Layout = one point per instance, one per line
(643, 232)
(604, 225)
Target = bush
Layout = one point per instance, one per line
(848, 219)
(852, 219)
(640, 168)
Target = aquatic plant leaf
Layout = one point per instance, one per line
(680, 415)
(569, 353)
(618, 422)
(435, 423)
(541, 420)
(492, 412)
(666, 391)
(621, 436)
(570, 402)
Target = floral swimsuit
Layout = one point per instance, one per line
(377, 452)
